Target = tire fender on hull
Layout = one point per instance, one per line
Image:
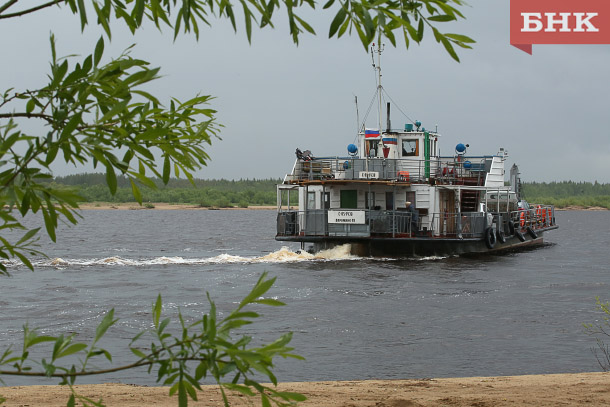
(490, 238)
(500, 236)
(519, 235)
(531, 232)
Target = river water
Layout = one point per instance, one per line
(352, 318)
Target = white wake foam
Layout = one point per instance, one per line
(284, 255)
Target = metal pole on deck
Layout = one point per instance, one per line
(394, 212)
(458, 222)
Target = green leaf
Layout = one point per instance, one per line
(441, 18)
(138, 353)
(75, 348)
(450, 49)
(269, 301)
(337, 21)
(49, 224)
(261, 287)
(136, 192)
(265, 400)
(166, 169)
(461, 38)
(111, 178)
(292, 396)
(30, 233)
(99, 51)
(182, 399)
(29, 108)
(106, 323)
(82, 11)
(157, 311)
(420, 30)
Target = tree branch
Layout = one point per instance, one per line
(30, 10)
(7, 5)
(139, 363)
(28, 115)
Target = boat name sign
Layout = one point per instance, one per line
(347, 217)
(368, 175)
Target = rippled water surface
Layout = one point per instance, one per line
(352, 318)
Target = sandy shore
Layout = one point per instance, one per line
(537, 390)
(159, 206)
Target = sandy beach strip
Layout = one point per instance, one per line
(579, 389)
(159, 206)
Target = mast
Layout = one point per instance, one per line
(357, 117)
(377, 67)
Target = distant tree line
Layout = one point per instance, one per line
(206, 193)
(568, 193)
(251, 192)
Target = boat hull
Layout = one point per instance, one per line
(422, 246)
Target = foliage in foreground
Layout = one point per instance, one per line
(196, 351)
(95, 110)
(600, 330)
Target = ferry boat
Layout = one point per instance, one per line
(393, 194)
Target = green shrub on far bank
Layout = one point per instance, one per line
(568, 193)
(205, 193)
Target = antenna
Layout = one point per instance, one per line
(357, 116)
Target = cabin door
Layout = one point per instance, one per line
(447, 215)
(349, 199)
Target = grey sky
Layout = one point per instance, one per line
(549, 110)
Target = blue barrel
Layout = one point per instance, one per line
(409, 127)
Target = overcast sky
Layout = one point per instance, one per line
(550, 110)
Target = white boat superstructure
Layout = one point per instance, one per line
(393, 193)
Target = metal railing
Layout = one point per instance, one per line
(387, 223)
(447, 170)
(537, 217)
(460, 225)
(402, 224)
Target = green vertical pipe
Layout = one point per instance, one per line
(427, 153)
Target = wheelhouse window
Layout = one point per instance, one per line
(372, 146)
(410, 148)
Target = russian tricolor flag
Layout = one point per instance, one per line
(371, 133)
(390, 140)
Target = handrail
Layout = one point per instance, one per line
(442, 170)
(404, 224)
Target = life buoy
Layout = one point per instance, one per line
(522, 219)
(490, 238)
(531, 232)
(519, 235)
(511, 228)
(403, 176)
(544, 216)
